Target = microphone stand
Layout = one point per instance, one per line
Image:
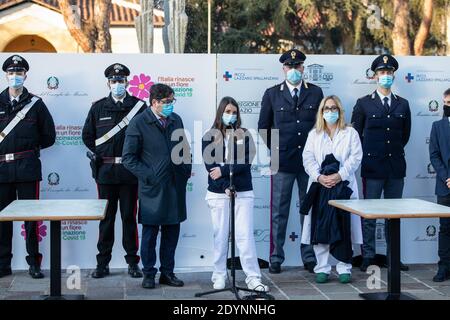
(257, 295)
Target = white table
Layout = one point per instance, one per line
(55, 211)
(393, 210)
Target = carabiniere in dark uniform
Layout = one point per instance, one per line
(114, 182)
(20, 167)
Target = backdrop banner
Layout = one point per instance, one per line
(70, 83)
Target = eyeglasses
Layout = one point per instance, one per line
(168, 101)
(332, 109)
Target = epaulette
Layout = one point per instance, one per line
(104, 98)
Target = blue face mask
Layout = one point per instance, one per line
(386, 81)
(331, 117)
(118, 89)
(294, 76)
(15, 81)
(229, 119)
(167, 110)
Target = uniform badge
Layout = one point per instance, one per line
(293, 55)
(117, 68)
(16, 59)
(385, 59)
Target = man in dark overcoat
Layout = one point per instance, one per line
(156, 151)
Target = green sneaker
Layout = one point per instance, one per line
(321, 277)
(345, 278)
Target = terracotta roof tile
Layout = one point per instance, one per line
(120, 15)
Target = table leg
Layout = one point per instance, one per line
(55, 265)
(394, 276)
(55, 259)
(393, 256)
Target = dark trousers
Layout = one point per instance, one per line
(444, 235)
(126, 196)
(282, 185)
(168, 245)
(8, 193)
(373, 188)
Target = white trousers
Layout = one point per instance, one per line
(322, 252)
(245, 241)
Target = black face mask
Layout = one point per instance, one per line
(446, 110)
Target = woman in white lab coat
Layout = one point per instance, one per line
(331, 135)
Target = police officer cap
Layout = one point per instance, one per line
(15, 63)
(292, 57)
(117, 71)
(385, 61)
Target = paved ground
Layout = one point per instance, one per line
(293, 283)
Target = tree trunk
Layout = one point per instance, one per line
(448, 29)
(424, 29)
(92, 35)
(72, 18)
(400, 38)
(102, 11)
(357, 48)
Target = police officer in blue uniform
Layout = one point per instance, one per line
(114, 181)
(290, 107)
(20, 167)
(383, 121)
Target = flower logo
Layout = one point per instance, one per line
(140, 86)
(41, 231)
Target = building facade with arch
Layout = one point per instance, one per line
(38, 26)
